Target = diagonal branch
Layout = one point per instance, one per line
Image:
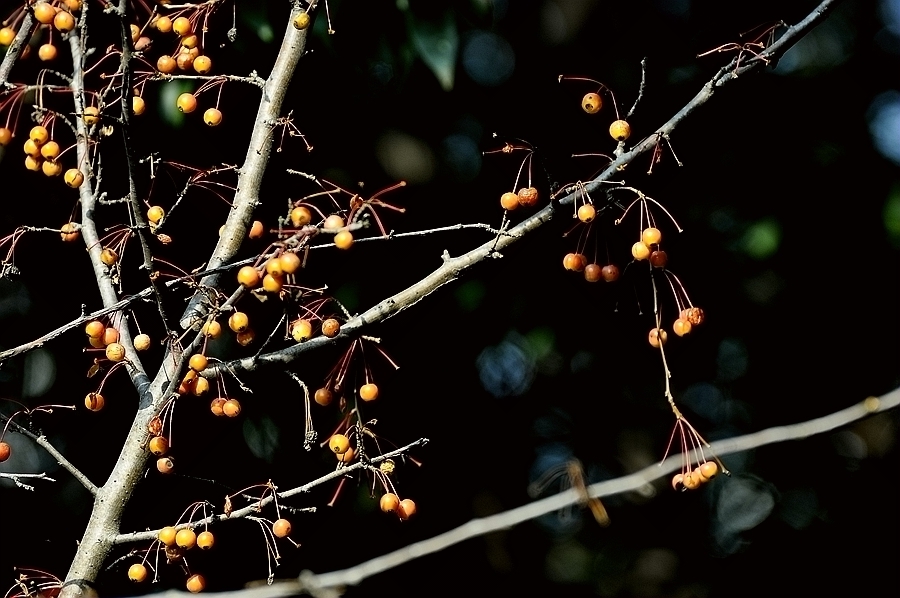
(15, 49)
(478, 527)
(453, 267)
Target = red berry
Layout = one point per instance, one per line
(659, 259)
(593, 272)
(5, 450)
(610, 273)
(528, 196)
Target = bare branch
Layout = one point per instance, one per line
(635, 481)
(60, 458)
(15, 49)
(254, 507)
(18, 477)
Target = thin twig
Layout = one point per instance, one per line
(60, 458)
(640, 89)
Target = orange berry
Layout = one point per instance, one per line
(301, 216)
(586, 213)
(272, 284)
(33, 164)
(198, 362)
(343, 240)
(163, 24)
(231, 408)
(155, 214)
(47, 52)
(509, 201)
(110, 336)
(389, 502)
(205, 540)
(346, 457)
(528, 196)
(64, 22)
(708, 470)
(695, 316)
(94, 401)
(73, 178)
(212, 116)
(195, 583)
(135, 32)
(593, 272)
(51, 168)
(591, 103)
(217, 406)
(406, 509)
(91, 115)
(273, 267)
(5, 451)
(640, 251)
(109, 256)
(281, 528)
(73, 5)
(212, 329)
(50, 150)
(138, 106)
(184, 60)
(39, 135)
(31, 148)
(44, 13)
(115, 352)
(167, 535)
(657, 337)
(575, 262)
(678, 482)
(203, 64)
(248, 276)
(681, 327)
(692, 481)
(331, 327)
(301, 21)
(301, 330)
(256, 230)
(158, 445)
(239, 322)
(200, 386)
(190, 41)
(5, 136)
(368, 392)
(186, 102)
(338, 444)
(7, 35)
(246, 337)
(323, 397)
(94, 329)
(165, 465)
(97, 343)
(333, 222)
(182, 26)
(166, 64)
(69, 232)
(620, 130)
(186, 538)
(142, 342)
(651, 236)
(137, 573)
(290, 262)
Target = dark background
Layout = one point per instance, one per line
(790, 244)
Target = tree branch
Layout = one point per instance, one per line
(255, 506)
(453, 267)
(478, 527)
(15, 49)
(60, 458)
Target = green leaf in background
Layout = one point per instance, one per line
(762, 239)
(438, 44)
(168, 96)
(892, 216)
